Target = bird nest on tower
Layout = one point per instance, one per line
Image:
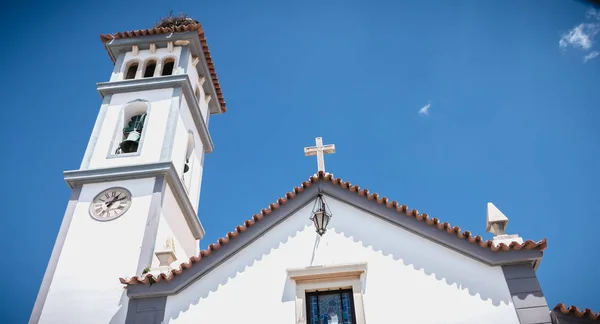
(175, 21)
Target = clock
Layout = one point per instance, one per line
(110, 204)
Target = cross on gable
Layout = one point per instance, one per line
(320, 150)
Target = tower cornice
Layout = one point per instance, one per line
(77, 178)
(172, 81)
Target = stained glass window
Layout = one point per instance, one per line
(330, 307)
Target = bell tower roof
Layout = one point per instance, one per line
(178, 30)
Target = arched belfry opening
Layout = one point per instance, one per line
(188, 162)
(131, 71)
(134, 121)
(168, 66)
(150, 68)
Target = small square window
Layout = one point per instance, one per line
(331, 307)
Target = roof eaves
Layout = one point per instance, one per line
(464, 242)
(575, 311)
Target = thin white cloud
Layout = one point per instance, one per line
(425, 110)
(583, 35)
(591, 56)
(593, 13)
(580, 36)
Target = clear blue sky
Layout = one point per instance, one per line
(513, 117)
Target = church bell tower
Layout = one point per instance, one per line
(133, 207)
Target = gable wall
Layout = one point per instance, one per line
(409, 278)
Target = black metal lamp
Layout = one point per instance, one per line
(320, 215)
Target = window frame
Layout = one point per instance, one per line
(330, 277)
(339, 291)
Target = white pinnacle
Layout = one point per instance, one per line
(496, 220)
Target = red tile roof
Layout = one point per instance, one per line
(573, 310)
(401, 209)
(164, 30)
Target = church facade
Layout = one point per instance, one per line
(326, 252)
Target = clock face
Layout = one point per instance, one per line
(110, 204)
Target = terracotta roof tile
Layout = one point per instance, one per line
(401, 209)
(573, 310)
(164, 30)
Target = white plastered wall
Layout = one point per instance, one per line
(194, 79)
(409, 279)
(185, 125)
(94, 256)
(173, 224)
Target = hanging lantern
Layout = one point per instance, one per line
(320, 215)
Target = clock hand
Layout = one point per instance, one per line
(114, 201)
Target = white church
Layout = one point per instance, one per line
(127, 251)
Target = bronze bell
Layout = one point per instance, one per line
(186, 166)
(133, 132)
(131, 143)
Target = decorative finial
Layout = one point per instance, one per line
(496, 224)
(320, 150)
(496, 220)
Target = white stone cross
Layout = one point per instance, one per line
(320, 150)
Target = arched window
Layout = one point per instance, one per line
(168, 66)
(131, 71)
(150, 68)
(189, 162)
(134, 121)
